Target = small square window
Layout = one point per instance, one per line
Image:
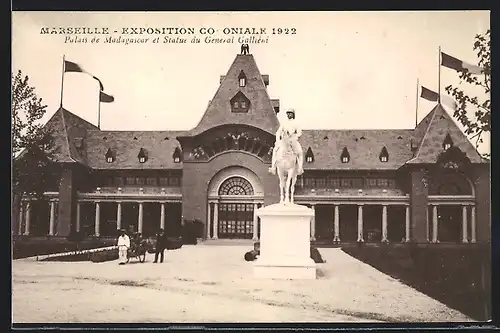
(345, 159)
(309, 159)
(177, 159)
(447, 146)
(383, 158)
(243, 104)
(235, 104)
(109, 159)
(242, 82)
(142, 159)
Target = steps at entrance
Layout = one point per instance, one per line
(228, 242)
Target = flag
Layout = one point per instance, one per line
(105, 98)
(459, 65)
(429, 94)
(70, 66)
(434, 97)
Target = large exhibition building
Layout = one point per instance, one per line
(425, 184)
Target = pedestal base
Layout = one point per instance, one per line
(285, 243)
(284, 271)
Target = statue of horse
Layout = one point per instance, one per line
(287, 167)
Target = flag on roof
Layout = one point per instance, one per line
(459, 65)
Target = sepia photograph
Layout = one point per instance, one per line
(251, 167)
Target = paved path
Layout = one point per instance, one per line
(209, 283)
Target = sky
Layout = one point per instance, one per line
(341, 70)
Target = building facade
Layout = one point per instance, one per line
(420, 185)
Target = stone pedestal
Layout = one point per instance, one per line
(285, 243)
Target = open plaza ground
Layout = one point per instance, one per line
(213, 283)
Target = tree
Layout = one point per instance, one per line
(475, 113)
(32, 144)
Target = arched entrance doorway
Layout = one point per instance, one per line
(236, 218)
(235, 194)
(451, 210)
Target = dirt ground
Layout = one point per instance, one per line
(210, 283)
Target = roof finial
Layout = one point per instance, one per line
(245, 49)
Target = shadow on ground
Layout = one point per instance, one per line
(458, 277)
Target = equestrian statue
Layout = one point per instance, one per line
(288, 157)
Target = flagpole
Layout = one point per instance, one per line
(439, 76)
(416, 108)
(62, 81)
(99, 109)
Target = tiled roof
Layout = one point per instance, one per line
(364, 147)
(76, 128)
(57, 127)
(126, 145)
(261, 113)
(431, 145)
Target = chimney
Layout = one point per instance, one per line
(222, 77)
(265, 78)
(413, 145)
(276, 105)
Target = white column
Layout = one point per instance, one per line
(21, 218)
(216, 221)
(28, 219)
(78, 217)
(255, 222)
(407, 224)
(52, 217)
(434, 224)
(118, 215)
(473, 224)
(313, 224)
(162, 215)
(360, 223)
(464, 224)
(97, 217)
(384, 223)
(336, 224)
(208, 224)
(140, 221)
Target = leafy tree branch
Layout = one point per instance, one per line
(473, 112)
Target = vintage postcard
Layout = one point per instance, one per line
(251, 167)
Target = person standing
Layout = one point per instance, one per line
(123, 246)
(161, 244)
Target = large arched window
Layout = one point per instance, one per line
(236, 186)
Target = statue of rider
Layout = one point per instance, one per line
(290, 126)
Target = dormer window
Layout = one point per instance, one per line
(109, 156)
(177, 155)
(142, 156)
(243, 79)
(384, 155)
(309, 155)
(448, 142)
(240, 103)
(345, 157)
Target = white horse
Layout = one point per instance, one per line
(287, 166)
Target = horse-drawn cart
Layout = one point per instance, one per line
(138, 250)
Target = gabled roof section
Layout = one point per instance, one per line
(260, 115)
(364, 153)
(67, 129)
(57, 128)
(126, 145)
(431, 144)
(77, 127)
